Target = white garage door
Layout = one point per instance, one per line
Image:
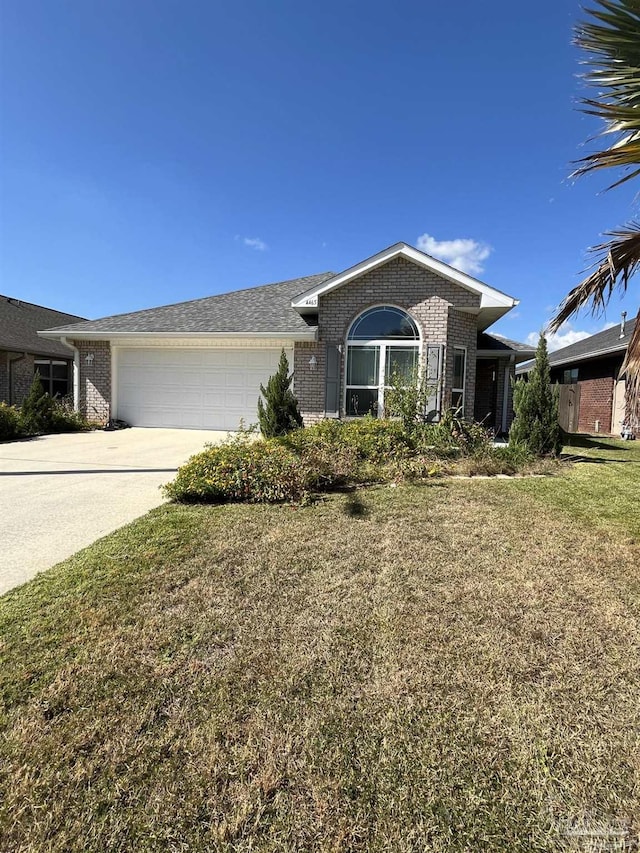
(192, 388)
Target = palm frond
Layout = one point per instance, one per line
(618, 259)
(631, 369)
(612, 47)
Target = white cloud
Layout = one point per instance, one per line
(463, 253)
(565, 336)
(255, 243)
(559, 339)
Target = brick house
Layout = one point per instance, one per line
(200, 364)
(23, 351)
(593, 366)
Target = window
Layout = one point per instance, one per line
(570, 377)
(382, 342)
(459, 378)
(54, 376)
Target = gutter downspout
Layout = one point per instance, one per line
(76, 373)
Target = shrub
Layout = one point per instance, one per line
(42, 414)
(36, 411)
(407, 398)
(240, 470)
(10, 425)
(369, 438)
(536, 408)
(279, 414)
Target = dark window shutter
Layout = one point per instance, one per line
(332, 383)
(434, 361)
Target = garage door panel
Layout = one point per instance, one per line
(197, 389)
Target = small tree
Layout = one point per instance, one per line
(36, 413)
(536, 408)
(406, 398)
(279, 414)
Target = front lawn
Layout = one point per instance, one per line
(450, 666)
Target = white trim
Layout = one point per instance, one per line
(76, 373)
(490, 297)
(113, 408)
(107, 335)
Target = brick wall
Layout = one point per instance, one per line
(597, 379)
(95, 380)
(22, 372)
(596, 401)
(432, 301)
(16, 376)
(462, 332)
(4, 376)
(308, 384)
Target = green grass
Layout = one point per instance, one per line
(603, 487)
(446, 667)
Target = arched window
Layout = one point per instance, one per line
(382, 342)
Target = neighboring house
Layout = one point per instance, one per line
(592, 368)
(23, 351)
(200, 364)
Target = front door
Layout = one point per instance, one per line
(484, 411)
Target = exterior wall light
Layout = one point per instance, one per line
(89, 358)
(313, 362)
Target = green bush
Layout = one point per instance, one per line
(536, 408)
(41, 414)
(37, 409)
(369, 438)
(279, 414)
(10, 424)
(240, 470)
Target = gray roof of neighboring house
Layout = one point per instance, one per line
(258, 309)
(602, 343)
(498, 343)
(21, 321)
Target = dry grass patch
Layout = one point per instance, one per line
(447, 667)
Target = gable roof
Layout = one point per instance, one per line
(20, 323)
(493, 303)
(257, 311)
(603, 343)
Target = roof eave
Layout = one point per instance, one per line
(105, 335)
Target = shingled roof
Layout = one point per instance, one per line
(20, 323)
(256, 310)
(499, 344)
(602, 343)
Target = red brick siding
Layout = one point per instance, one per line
(596, 401)
(597, 380)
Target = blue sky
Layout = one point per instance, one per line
(157, 151)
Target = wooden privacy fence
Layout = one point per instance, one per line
(569, 407)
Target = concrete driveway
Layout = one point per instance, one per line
(59, 493)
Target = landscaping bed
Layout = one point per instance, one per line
(334, 455)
